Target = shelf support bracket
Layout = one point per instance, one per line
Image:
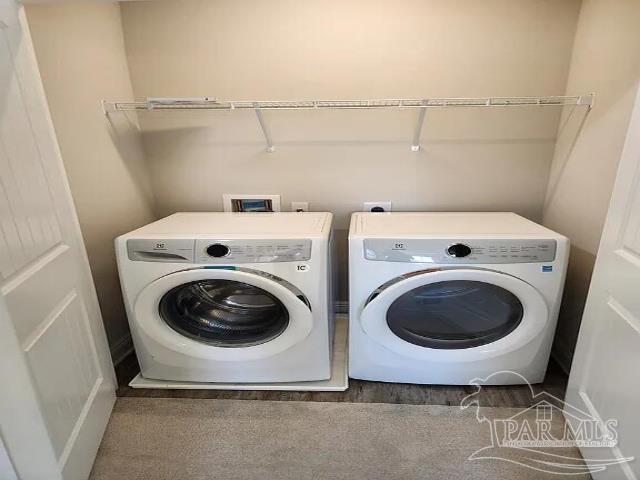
(415, 146)
(108, 107)
(265, 128)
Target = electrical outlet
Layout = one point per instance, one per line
(383, 206)
(299, 206)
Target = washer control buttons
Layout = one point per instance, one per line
(217, 250)
(459, 250)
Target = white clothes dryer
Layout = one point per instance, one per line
(444, 298)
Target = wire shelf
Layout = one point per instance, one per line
(422, 104)
(206, 103)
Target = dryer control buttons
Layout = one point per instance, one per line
(452, 251)
(459, 250)
(217, 250)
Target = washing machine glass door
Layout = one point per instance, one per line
(224, 313)
(460, 314)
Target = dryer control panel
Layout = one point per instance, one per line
(460, 251)
(219, 251)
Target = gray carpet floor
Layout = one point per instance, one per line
(198, 439)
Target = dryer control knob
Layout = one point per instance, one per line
(217, 250)
(459, 250)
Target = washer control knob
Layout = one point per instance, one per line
(459, 250)
(217, 250)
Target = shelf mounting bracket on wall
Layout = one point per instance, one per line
(265, 128)
(415, 146)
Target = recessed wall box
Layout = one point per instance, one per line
(250, 203)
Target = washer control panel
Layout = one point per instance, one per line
(252, 251)
(218, 251)
(460, 251)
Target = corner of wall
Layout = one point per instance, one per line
(103, 156)
(604, 60)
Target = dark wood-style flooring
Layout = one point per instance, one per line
(364, 392)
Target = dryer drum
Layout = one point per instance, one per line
(224, 313)
(455, 314)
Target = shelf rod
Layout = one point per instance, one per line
(415, 146)
(265, 128)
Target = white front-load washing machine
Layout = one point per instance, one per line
(230, 297)
(445, 298)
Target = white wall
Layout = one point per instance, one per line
(606, 60)
(479, 159)
(81, 56)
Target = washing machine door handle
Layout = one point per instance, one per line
(281, 281)
(457, 314)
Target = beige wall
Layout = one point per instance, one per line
(606, 60)
(81, 57)
(482, 159)
(284, 49)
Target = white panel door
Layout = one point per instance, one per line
(605, 375)
(56, 377)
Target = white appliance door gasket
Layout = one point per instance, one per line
(535, 315)
(153, 328)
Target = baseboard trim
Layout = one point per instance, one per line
(121, 349)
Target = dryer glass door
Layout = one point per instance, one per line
(454, 314)
(224, 312)
(457, 314)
